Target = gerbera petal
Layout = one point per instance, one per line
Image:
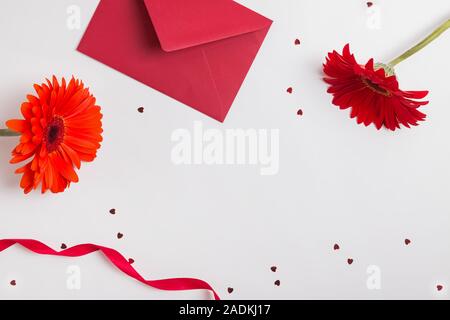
(87, 157)
(18, 125)
(55, 83)
(370, 64)
(64, 168)
(379, 114)
(27, 179)
(415, 94)
(75, 101)
(20, 158)
(26, 109)
(72, 155)
(79, 149)
(401, 113)
(365, 106)
(85, 135)
(82, 142)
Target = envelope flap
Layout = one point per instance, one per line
(181, 24)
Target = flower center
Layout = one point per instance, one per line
(54, 134)
(376, 88)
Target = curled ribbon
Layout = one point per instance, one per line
(115, 258)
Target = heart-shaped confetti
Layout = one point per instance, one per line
(369, 4)
(112, 211)
(140, 109)
(13, 282)
(349, 260)
(439, 287)
(130, 261)
(274, 269)
(119, 235)
(230, 290)
(289, 90)
(297, 42)
(63, 246)
(300, 112)
(277, 283)
(336, 247)
(407, 241)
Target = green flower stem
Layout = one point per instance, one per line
(8, 133)
(436, 33)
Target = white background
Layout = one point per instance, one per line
(338, 182)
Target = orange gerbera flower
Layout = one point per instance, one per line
(62, 128)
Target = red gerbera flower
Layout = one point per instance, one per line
(62, 128)
(372, 92)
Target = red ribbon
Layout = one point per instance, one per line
(115, 258)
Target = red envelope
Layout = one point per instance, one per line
(195, 51)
